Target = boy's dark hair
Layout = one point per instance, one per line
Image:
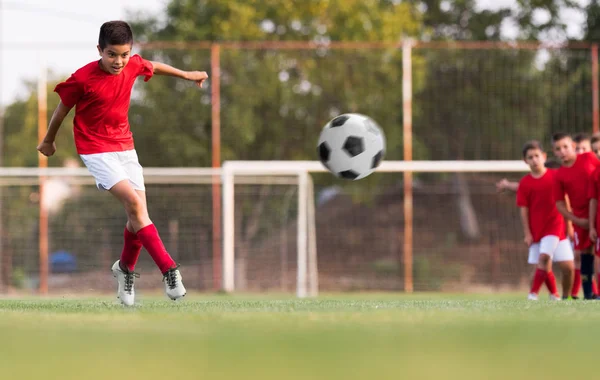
(529, 145)
(559, 136)
(595, 138)
(115, 33)
(581, 137)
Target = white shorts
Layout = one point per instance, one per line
(550, 245)
(112, 167)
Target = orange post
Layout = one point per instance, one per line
(215, 85)
(595, 110)
(43, 163)
(407, 143)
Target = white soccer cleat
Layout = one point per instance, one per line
(554, 297)
(532, 297)
(173, 285)
(125, 280)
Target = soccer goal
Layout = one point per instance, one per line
(65, 234)
(469, 182)
(287, 226)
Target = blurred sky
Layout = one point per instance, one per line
(26, 25)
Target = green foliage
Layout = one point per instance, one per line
(21, 131)
(274, 103)
(483, 104)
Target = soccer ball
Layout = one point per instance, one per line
(351, 146)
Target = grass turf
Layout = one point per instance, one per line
(333, 337)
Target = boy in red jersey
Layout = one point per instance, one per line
(543, 225)
(583, 143)
(594, 217)
(572, 180)
(101, 92)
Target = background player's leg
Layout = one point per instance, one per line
(551, 284)
(597, 267)
(540, 274)
(566, 268)
(577, 274)
(587, 273)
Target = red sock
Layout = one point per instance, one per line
(155, 247)
(576, 283)
(597, 282)
(131, 250)
(594, 287)
(538, 280)
(551, 283)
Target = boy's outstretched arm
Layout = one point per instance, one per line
(561, 206)
(47, 147)
(505, 184)
(163, 69)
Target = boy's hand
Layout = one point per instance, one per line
(197, 76)
(570, 231)
(593, 235)
(46, 148)
(506, 185)
(528, 239)
(501, 185)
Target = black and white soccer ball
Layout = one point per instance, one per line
(351, 146)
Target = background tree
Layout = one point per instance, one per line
(274, 102)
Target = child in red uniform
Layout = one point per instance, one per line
(543, 226)
(594, 217)
(572, 179)
(583, 143)
(101, 92)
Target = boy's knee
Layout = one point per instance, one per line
(544, 262)
(135, 208)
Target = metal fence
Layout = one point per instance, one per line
(439, 101)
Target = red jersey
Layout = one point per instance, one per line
(101, 103)
(537, 194)
(574, 181)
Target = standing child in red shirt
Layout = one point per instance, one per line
(100, 92)
(583, 143)
(594, 217)
(543, 225)
(572, 179)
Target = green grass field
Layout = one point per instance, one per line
(333, 337)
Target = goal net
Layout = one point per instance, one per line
(287, 227)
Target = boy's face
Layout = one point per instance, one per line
(536, 159)
(564, 150)
(114, 58)
(596, 148)
(583, 147)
